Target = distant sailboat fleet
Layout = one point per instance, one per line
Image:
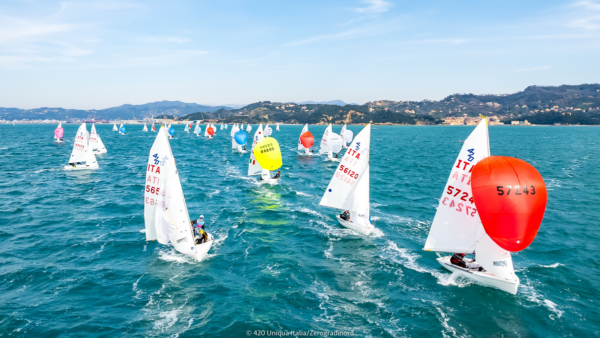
(490, 206)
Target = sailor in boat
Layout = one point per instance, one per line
(336, 156)
(458, 259)
(278, 175)
(200, 232)
(345, 215)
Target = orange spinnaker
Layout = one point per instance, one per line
(307, 139)
(510, 196)
(210, 131)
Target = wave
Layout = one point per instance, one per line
(535, 297)
(171, 255)
(303, 194)
(408, 259)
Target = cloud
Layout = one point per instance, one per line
(166, 39)
(20, 29)
(360, 31)
(589, 18)
(532, 69)
(374, 6)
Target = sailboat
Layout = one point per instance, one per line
(153, 128)
(242, 127)
(253, 166)
(96, 142)
(222, 127)
(330, 143)
(234, 130)
(240, 138)
(226, 127)
(187, 128)
(248, 128)
(82, 156)
(197, 129)
(457, 225)
(306, 141)
(165, 211)
(122, 130)
(145, 128)
(268, 131)
(277, 128)
(115, 127)
(58, 133)
(349, 186)
(170, 131)
(347, 136)
(209, 131)
(268, 155)
(214, 129)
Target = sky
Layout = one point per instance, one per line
(100, 54)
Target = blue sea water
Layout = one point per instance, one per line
(74, 261)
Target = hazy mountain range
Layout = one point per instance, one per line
(539, 104)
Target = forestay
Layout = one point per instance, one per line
(349, 187)
(454, 227)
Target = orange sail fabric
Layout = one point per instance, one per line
(510, 196)
(307, 139)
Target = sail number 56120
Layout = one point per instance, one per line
(347, 170)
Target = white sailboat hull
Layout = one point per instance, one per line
(81, 167)
(202, 249)
(353, 226)
(271, 181)
(481, 277)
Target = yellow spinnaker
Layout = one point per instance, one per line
(268, 154)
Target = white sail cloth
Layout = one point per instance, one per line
(253, 167)
(331, 142)
(234, 130)
(349, 186)
(454, 227)
(304, 130)
(96, 144)
(80, 147)
(165, 212)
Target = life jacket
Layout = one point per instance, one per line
(457, 258)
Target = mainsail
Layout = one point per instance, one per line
(456, 222)
(253, 166)
(80, 147)
(165, 211)
(349, 186)
(96, 144)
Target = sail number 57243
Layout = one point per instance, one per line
(516, 189)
